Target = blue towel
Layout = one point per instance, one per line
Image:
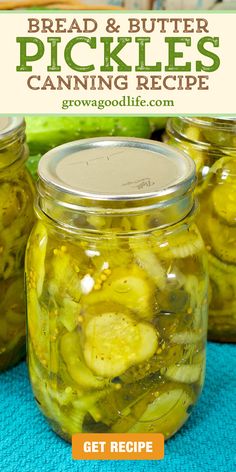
(205, 444)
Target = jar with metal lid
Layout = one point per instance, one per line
(16, 221)
(116, 288)
(211, 142)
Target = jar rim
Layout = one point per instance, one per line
(221, 122)
(12, 136)
(10, 126)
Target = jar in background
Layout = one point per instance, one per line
(116, 288)
(16, 220)
(211, 142)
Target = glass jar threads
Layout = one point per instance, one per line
(16, 220)
(211, 142)
(116, 288)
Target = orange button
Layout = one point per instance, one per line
(104, 446)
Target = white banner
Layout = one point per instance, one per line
(118, 63)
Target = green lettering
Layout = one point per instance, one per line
(24, 57)
(142, 67)
(92, 42)
(173, 54)
(54, 67)
(201, 48)
(108, 54)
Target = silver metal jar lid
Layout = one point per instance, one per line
(114, 169)
(115, 177)
(9, 125)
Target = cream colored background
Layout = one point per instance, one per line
(15, 97)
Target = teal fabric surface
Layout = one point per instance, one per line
(207, 443)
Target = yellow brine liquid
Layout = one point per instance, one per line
(117, 288)
(211, 142)
(16, 220)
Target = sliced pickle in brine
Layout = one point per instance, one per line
(115, 341)
(129, 287)
(164, 415)
(223, 240)
(71, 351)
(224, 202)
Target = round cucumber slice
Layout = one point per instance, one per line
(223, 240)
(129, 287)
(224, 202)
(114, 342)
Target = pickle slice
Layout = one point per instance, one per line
(165, 414)
(69, 313)
(223, 240)
(72, 355)
(224, 202)
(187, 337)
(183, 373)
(115, 341)
(133, 290)
(194, 135)
(35, 261)
(146, 258)
(217, 137)
(223, 278)
(185, 243)
(65, 280)
(129, 287)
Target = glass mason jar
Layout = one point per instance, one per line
(16, 220)
(211, 142)
(116, 288)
